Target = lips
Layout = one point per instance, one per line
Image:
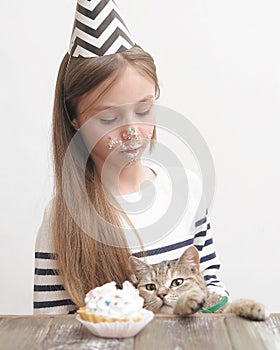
(130, 148)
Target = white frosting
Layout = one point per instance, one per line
(109, 301)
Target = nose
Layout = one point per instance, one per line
(162, 295)
(130, 133)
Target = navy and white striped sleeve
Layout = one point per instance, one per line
(49, 295)
(209, 262)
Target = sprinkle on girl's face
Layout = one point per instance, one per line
(121, 120)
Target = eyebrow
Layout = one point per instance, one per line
(144, 99)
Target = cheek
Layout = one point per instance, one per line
(171, 298)
(96, 135)
(103, 144)
(91, 137)
(107, 147)
(97, 142)
(146, 295)
(101, 148)
(146, 131)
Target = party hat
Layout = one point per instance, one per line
(98, 30)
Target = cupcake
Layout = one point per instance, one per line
(109, 304)
(112, 312)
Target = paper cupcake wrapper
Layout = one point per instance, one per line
(118, 329)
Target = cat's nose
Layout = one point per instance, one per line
(162, 295)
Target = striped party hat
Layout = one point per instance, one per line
(98, 30)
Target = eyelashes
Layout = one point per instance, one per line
(108, 121)
(111, 120)
(144, 113)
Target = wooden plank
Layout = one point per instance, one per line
(270, 332)
(160, 334)
(66, 333)
(207, 332)
(257, 335)
(225, 332)
(194, 333)
(21, 333)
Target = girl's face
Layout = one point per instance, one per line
(121, 122)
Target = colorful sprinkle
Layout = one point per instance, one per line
(111, 143)
(132, 133)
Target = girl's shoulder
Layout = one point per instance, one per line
(44, 239)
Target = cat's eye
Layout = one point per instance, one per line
(150, 286)
(177, 282)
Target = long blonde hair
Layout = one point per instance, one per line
(84, 262)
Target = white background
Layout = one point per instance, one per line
(218, 64)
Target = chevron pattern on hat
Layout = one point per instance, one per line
(98, 30)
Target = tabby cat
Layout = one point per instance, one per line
(178, 287)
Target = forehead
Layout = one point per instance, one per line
(171, 269)
(130, 86)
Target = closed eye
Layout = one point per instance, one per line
(144, 112)
(177, 282)
(107, 121)
(143, 108)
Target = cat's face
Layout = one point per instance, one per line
(161, 284)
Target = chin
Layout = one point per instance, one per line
(165, 309)
(155, 306)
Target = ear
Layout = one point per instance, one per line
(138, 266)
(190, 257)
(75, 124)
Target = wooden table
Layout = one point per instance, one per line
(197, 332)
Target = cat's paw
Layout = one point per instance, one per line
(189, 303)
(250, 309)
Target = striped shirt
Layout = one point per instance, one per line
(50, 297)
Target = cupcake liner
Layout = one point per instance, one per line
(96, 318)
(118, 329)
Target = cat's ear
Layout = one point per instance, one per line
(138, 266)
(190, 257)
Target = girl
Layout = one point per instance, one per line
(105, 104)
